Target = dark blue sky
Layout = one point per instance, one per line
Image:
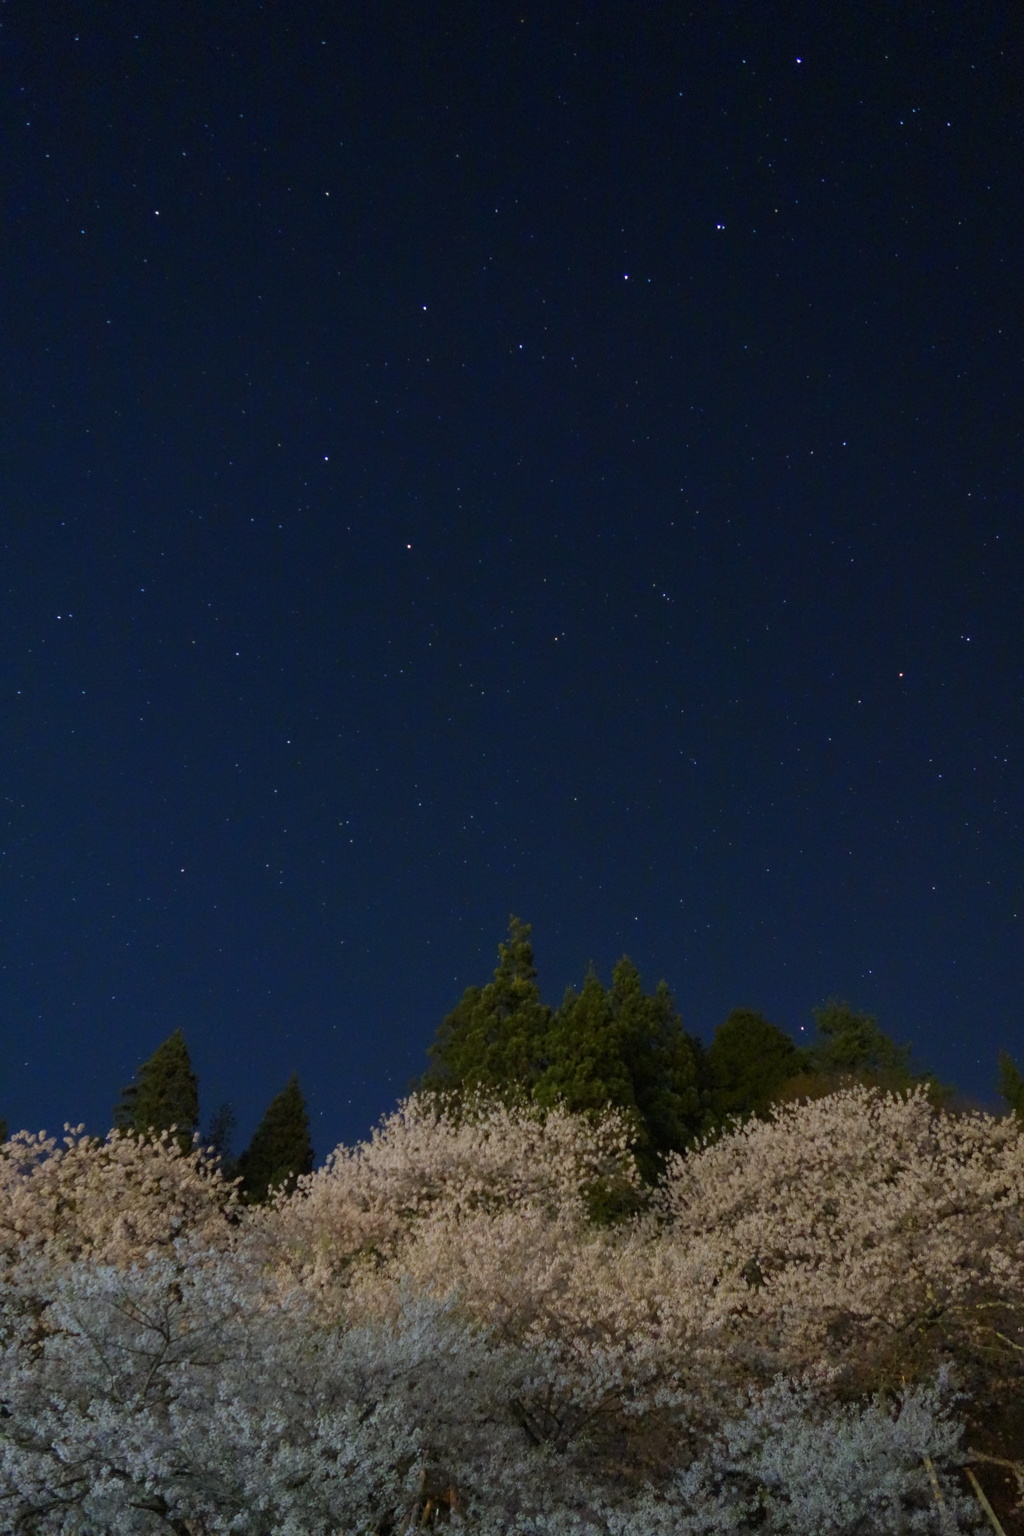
(561, 459)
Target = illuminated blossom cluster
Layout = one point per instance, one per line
(432, 1329)
(858, 1223)
(419, 1163)
(109, 1201)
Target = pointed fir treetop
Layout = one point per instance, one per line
(165, 1094)
(280, 1149)
(666, 1065)
(493, 1039)
(515, 962)
(618, 1046)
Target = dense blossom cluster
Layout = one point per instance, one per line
(419, 1163)
(860, 1225)
(109, 1201)
(432, 1329)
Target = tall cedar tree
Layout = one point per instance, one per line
(620, 1046)
(494, 1039)
(627, 1047)
(165, 1094)
(749, 1061)
(584, 1067)
(280, 1149)
(667, 1065)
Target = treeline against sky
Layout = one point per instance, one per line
(164, 1097)
(591, 1279)
(601, 1047)
(624, 1047)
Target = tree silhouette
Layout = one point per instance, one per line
(618, 1046)
(280, 1149)
(217, 1137)
(750, 1060)
(165, 1094)
(494, 1039)
(853, 1045)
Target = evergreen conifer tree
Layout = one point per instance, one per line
(749, 1060)
(165, 1093)
(1011, 1084)
(583, 1054)
(852, 1049)
(618, 1046)
(666, 1065)
(494, 1039)
(280, 1149)
(853, 1045)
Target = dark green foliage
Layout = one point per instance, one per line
(493, 1041)
(666, 1065)
(609, 1202)
(1011, 1084)
(852, 1048)
(3, 1129)
(583, 1053)
(280, 1149)
(618, 1046)
(749, 1061)
(165, 1093)
(853, 1045)
(625, 1048)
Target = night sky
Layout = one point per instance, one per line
(466, 459)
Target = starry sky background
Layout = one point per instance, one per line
(478, 458)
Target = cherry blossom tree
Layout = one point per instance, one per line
(432, 1328)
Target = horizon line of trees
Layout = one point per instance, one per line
(164, 1098)
(625, 1047)
(617, 1046)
